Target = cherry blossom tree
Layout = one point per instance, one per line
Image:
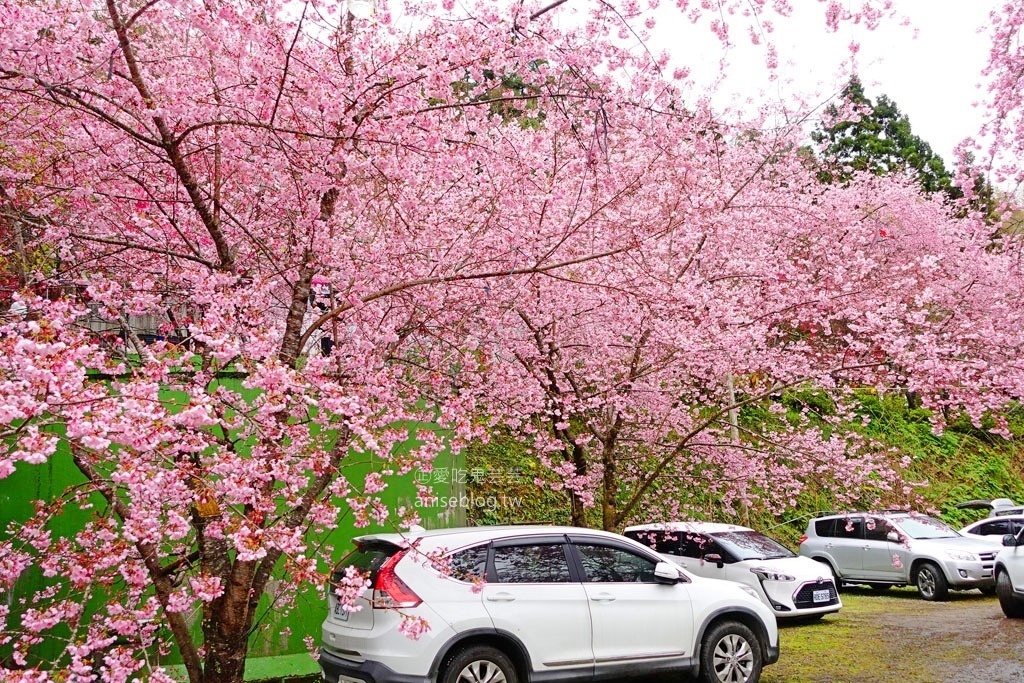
(1005, 129)
(343, 227)
(636, 385)
(324, 218)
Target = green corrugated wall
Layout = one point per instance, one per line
(277, 649)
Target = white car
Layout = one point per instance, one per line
(792, 586)
(532, 603)
(995, 527)
(1010, 575)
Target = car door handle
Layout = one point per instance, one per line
(501, 597)
(603, 597)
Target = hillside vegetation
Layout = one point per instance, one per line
(506, 485)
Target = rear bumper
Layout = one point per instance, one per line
(338, 670)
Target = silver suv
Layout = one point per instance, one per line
(532, 603)
(883, 549)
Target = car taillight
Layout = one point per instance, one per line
(802, 539)
(389, 591)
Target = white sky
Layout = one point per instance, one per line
(932, 77)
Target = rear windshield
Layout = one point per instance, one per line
(367, 558)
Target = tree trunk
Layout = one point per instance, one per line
(225, 661)
(578, 512)
(609, 491)
(226, 625)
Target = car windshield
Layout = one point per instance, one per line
(750, 545)
(922, 526)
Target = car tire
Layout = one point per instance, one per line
(931, 583)
(1012, 604)
(730, 653)
(480, 664)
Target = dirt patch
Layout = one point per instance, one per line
(880, 637)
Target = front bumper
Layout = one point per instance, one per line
(338, 670)
(963, 575)
(809, 598)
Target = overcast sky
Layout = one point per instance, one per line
(932, 77)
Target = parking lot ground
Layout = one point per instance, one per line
(894, 635)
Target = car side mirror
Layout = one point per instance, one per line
(665, 572)
(893, 537)
(1010, 540)
(715, 558)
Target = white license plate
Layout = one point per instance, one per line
(341, 615)
(821, 596)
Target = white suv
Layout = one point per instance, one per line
(793, 587)
(527, 603)
(1010, 575)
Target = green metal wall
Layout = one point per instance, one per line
(278, 648)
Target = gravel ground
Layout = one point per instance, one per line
(894, 636)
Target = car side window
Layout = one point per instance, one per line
(605, 564)
(667, 541)
(850, 527)
(876, 529)
(541, 563)
(713, 547)
(694, 545)
(998, 527)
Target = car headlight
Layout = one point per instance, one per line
(960, 555)
(769, 575)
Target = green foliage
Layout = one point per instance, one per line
(508, 96)
(962, 463)
(880, 141)
(501, 485)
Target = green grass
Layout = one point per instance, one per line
(876, 637)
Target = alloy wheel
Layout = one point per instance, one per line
(481, 671)
(733, 659)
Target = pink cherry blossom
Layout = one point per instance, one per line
(268, 249)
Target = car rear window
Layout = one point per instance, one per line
(825, 527)
(469, 564)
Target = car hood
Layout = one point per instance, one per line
(800, 568)
(970, 545)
